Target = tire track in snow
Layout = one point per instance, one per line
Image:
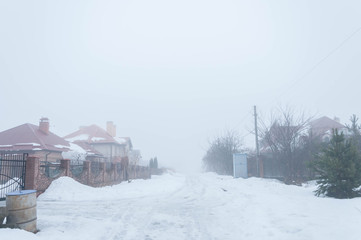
(178, 214)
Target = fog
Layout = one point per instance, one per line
(172, 74)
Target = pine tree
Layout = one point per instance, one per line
(355, 130)
(155, 162)
(339, 169)
(151, 163)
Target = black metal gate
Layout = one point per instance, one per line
(12, 173)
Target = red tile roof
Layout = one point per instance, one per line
(28, 137)
(94, 134)
(91, 134)
(323, 124)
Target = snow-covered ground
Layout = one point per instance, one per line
(205, 206)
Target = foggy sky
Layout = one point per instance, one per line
(172, 74)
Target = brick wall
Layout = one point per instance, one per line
(89, 173)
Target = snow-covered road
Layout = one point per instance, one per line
(205, 206)
(172, 209)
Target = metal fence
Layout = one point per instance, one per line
(12, 173)
(95, 168)
(108, 166)
(50, 169)
(119, 168)
(76, 168)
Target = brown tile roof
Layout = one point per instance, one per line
(91, 134)
(28, 137)
(321, 125)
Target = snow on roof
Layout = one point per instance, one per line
(81, 137)
(29, 137)
(91, 134)
(124, 141)
(61, 146)
(75, 152)
(97, 139)
(29, 144)
(88, 148)
(77, 148)
(121, 140)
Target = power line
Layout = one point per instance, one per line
(242, 119)
(311, 70)
(315, 66)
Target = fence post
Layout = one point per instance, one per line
(261, 169)
(114, 171)
(31, 173)
(65, 164)
(103, 169)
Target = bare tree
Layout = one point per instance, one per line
(134, 157)
(219, 156)
(285, 136)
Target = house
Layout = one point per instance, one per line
(36, 141)
(102, 141)
(322, 127)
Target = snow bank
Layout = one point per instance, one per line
(67, 189)
(268, 209)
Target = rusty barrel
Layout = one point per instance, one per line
(21, 206)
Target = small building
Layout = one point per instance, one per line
(323, 126)
(36, 141)
(105, 142)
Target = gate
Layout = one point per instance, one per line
(12, 173)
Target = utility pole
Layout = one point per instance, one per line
(256, 133)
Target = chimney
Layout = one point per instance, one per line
(44, 125)
(111, 129)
